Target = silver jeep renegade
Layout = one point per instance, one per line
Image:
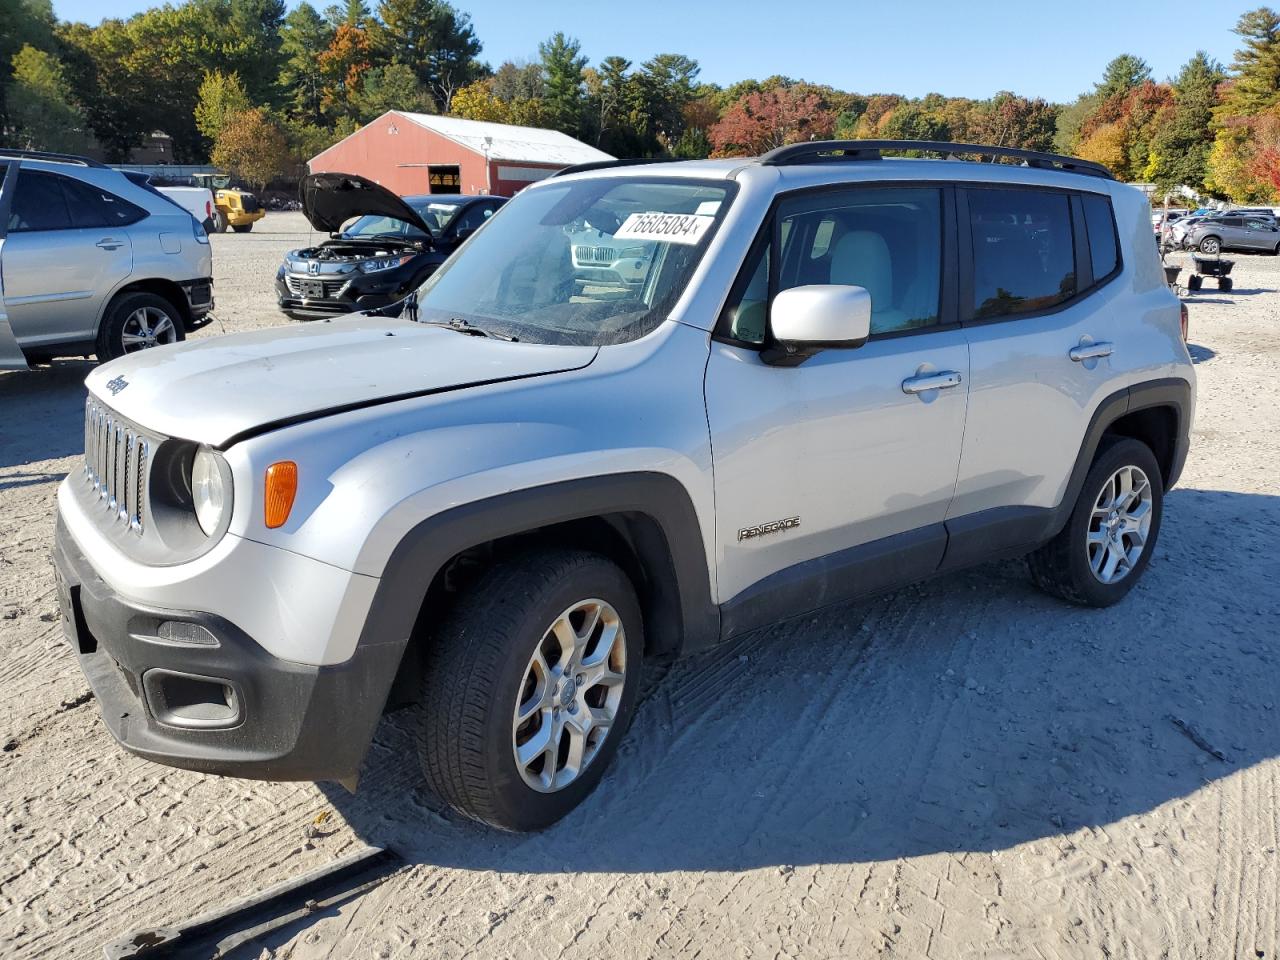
(822, 373)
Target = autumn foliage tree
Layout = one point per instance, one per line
(252, 147)
(762, 121)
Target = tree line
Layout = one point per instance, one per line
(254, 87)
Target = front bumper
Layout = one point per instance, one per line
(190, 689)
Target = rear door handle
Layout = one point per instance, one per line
(1090, 351)
(942, 380)
(109, 243)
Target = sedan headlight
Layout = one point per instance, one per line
(383, 263)
(210, 489)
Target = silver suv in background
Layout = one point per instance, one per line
(93, 261)
(1255, 233)
(837, 373)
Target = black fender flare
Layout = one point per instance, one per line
(428, 546)
(1014, 531)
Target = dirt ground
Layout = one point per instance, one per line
(963, 768)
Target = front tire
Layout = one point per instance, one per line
(1108, 540)
(138, 321)
(242, 228)
(529, 687)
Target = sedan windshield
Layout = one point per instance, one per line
(590, 262)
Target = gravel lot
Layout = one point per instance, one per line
(962, 768)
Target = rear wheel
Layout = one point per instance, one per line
(1225, 284)
(1211, 245)
(529, 687)
(219, 221)
(138, 321)
(1193, 282)
(1108, 540)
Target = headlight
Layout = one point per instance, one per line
(383, 263)
(210, 489)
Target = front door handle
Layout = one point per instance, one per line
(109, 243)
(1090, 351)
(942, 380)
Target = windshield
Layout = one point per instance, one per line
(590, 262)
(436, 213)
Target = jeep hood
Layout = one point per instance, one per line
(220, 389)
(331, 199)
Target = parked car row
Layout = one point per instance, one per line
(1253, 230)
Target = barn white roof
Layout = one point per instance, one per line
(509, 142)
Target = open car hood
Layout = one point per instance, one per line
(331, 199)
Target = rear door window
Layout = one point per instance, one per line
(38, 203)
(1023, 253)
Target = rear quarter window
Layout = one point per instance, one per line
(1104, 245)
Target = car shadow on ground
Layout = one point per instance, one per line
(44, 412)
(1200, 354)
(969, 713)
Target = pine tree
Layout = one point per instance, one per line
(563, 64)
(1256, 85)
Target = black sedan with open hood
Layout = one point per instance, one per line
(380, 246)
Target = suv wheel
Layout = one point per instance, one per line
(1211, 245)
(529, 687)
(138, 321)
(1105, 547)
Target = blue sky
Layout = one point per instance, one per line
(956, 47)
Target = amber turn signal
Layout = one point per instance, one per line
(282, 487)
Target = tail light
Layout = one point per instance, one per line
(1186, 322)
(208, 209)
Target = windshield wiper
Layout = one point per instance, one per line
(470, 329)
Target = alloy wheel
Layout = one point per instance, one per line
(145, 328)
(1119, 525)
(569, 695)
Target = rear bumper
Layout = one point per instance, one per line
(190, 689)
(199, 294)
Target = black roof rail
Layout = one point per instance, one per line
(835, 151)
(606, 164)
(7, 154)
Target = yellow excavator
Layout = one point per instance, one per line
(233, 207)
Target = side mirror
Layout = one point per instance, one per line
(809, 319)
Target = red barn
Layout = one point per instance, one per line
(414, 153)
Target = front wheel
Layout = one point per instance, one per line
(1108, 540)
(529, 686)
(138, 321)
(242, 228)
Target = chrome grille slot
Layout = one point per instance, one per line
(116, 458)
(587, 254)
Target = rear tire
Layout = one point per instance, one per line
(1225, 284)
(1193, 282)
(219, 222)
(501, 713)
(1210, 245)
(138, 321)
(1073, 565)
(242, 228)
